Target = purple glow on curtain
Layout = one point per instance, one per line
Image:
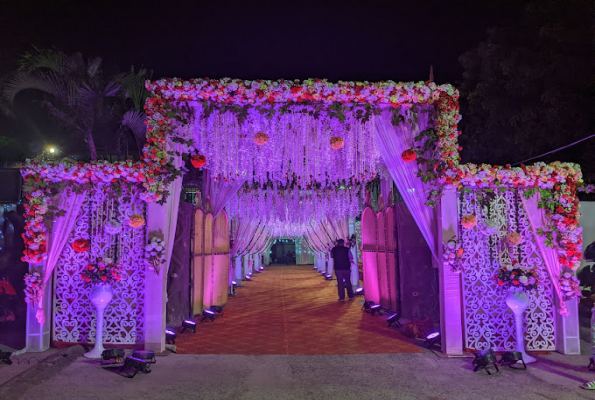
(538, 220)
(392, 141)
(219, 193)
(71, 203)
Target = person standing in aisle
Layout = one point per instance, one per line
(342, 261)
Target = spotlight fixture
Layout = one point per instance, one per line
(217, 309)
(5, 357)
(484, 359)
(315, 267)
(136, 365)
(394, 319)
(328, 277)
(208, 314)
(375, 308)
(359, 291)
(262, 268)
(511, 358)
(367, 305)
(145, 355)
(247, 277)
(170, 336)
(113, 355)
(432, 339)
(189, 324)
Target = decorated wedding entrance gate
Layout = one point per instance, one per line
(313, 137)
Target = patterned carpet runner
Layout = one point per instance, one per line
(293, 310)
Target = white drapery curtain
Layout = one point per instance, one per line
(71, 203)
(219, 193)
(538, 220)
(392, 141)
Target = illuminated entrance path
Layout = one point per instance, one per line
(292, 310)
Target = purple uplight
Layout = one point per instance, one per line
(169, 332)
(433, 335)
(208, 312)
(375, 306)
(234, 283)
(248, 277)
(359, 290)
(189, 322)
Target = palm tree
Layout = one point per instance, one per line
(77, 93)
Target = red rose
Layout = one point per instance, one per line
(81, 245)
(515, 282)
(500, 283)
(409, 155)
(104, 278)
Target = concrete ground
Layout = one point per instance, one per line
(365, 376)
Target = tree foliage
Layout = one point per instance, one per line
(100, 109)
(528, 88)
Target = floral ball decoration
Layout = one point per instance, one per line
(514, 238)
(409, 155)
(198, 160)
(136, 221)
(113, 227)
(517, 277)
(104, 271)
(570, 286)
(81, 245)
(469, 221)
(33, 288)
(451, 256)
(155, 250)
(261, 138)
(337, 142)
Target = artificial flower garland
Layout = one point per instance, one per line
(451, 256)
(33, 288)
(155, 251)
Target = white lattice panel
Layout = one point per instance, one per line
(74, 315)
(489, 323)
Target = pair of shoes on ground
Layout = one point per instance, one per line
(589, 385)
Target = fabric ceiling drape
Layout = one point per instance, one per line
(219, 193)
(538, 220)
(392, 141)
(71, 203)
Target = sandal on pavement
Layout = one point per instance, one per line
(589, 385)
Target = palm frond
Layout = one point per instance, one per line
(20, 81)
(135, 121)
(41, 59)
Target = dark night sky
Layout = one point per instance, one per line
(365, 40)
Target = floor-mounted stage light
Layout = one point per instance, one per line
(359, 291)
(247, 277)
(208, 314)
(375, 308)
(328, 277)
(394, 319)
(145, 355)
(262, 268)
(511, 358)
(485, 359)
(113, 355)
(217, 309)
(5, 357)
(135, 365)
(432, 339)
(315, 267)
(367, 304)
(189, 324)
(170, 336)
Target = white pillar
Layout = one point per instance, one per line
(256, 265)
(38, 336)
(237, 270)
(354, 266)
(156, 286)
(246, 265)
(568, 340)
(451, 318)
(331, 265)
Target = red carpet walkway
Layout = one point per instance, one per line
(293, 310)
